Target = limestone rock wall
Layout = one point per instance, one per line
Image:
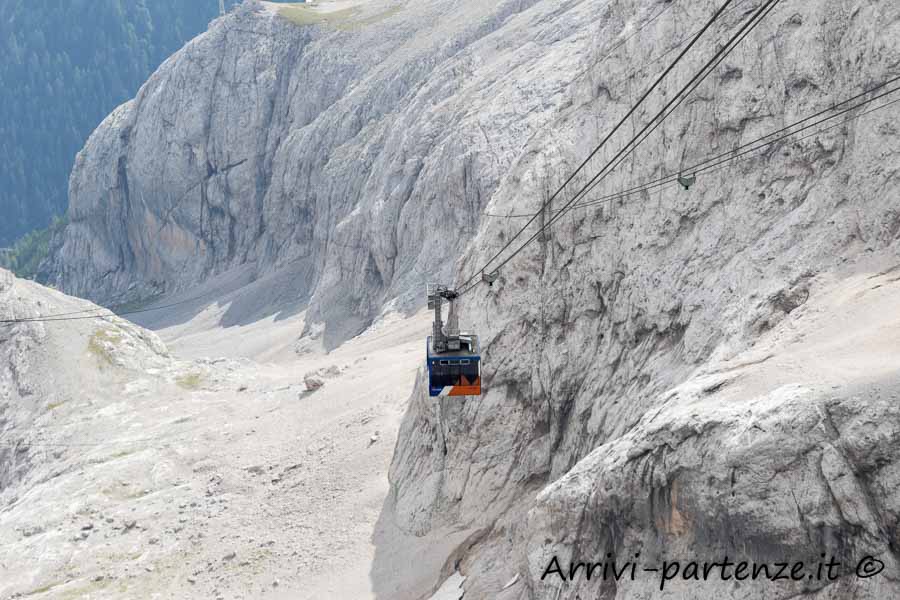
(369, 159)
(589, 331)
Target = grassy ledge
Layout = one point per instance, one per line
(308, 13)
(102, 344)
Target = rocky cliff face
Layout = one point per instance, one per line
(654, 378)
(625, 413)
(355, 157)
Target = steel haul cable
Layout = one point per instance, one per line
(631, 146)
(754, 146)
(676, 45)
(699, 76)
(720, 165)
(697, 35)
(608, 136)
(760, 13)
(733, 153)
(709, 165)
(688, 93)
(833, 106)
(65, 317)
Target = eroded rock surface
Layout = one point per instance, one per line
(126, 472)
(588, 439)
(355, 159)
(360, 160)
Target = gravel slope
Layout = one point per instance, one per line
(130, 473)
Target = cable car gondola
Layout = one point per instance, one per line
(453, 358)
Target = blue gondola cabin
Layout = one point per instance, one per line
(455, 373)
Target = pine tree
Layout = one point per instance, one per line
(66, 65)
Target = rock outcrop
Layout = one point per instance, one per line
(600, 432)
(356, 157)
(126, 472)
(652, 366)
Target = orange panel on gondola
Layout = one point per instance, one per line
(452, 357)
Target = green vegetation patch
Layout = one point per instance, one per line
(125, 492)
(44, 588)
(27, 254)
(114, 456)
(84, 589)
(102, 343)
(65, 590)
(65, 66)
(305, 13)
(374, 18)
(189, 381)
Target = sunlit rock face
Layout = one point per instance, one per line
(619, 415)
(643, 391)
(354, 157)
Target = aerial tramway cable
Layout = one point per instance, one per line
(681, 100)
(741, 151)
(676, 45)
(649, 22)
(83, 315)
(715, 166)
(66, 317)
(465, 286)
(761, 12)
(658, 118)
(711, 163)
